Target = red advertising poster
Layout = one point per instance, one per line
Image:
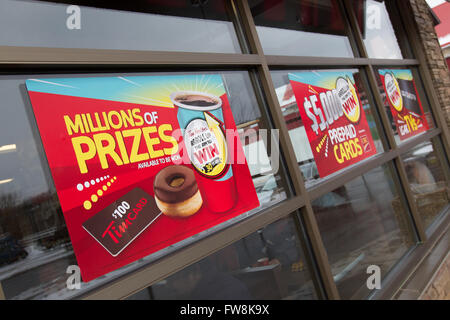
(139, 163)
(333, 117)
(404, 102)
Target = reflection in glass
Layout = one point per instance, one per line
(268, 264)
(35, 249)
(169, 25)
(363, 223)
(32, 228)
(301, 28)
(376, 29)
(294, 123)
(427, 180)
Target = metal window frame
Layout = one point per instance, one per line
(22, 60)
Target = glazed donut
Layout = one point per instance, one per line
(176, 191)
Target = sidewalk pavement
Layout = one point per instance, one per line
(431, 278)
(439, 287)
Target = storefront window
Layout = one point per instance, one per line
(35, 246)
(407, 110)
(53, 221)
(427, 180)
(172, 25)
(363, 223)
(268, 264)
(376, 29)
(314, 82)
(301, 28)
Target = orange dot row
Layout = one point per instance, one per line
(94, 198)
(321, 143)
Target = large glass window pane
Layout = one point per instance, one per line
(376, 29)
(171, 25)
(301, 28)
(405, 104)
(295, 124)
(34, 243)
(363, 223)
(268, 264)
(428, 179)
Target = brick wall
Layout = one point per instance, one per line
(435, 59)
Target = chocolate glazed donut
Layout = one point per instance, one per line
(176, 191)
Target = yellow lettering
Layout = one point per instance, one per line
(151, 142)
(117, 125)
(74, 127)
(81, 156)
(137, 117)
(339, 160)
(134, 155)
(127, 118)
(86, 126)
(107, 149)
(99, 122)
(91, 125)
(168, 138)
(122, 148)
(105, 119)
(359, 150)
(348, 150)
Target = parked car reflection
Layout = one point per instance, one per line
(10, 249)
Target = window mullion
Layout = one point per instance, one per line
(288, 151)
(347, 5)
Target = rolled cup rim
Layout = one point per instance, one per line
(175, 94)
